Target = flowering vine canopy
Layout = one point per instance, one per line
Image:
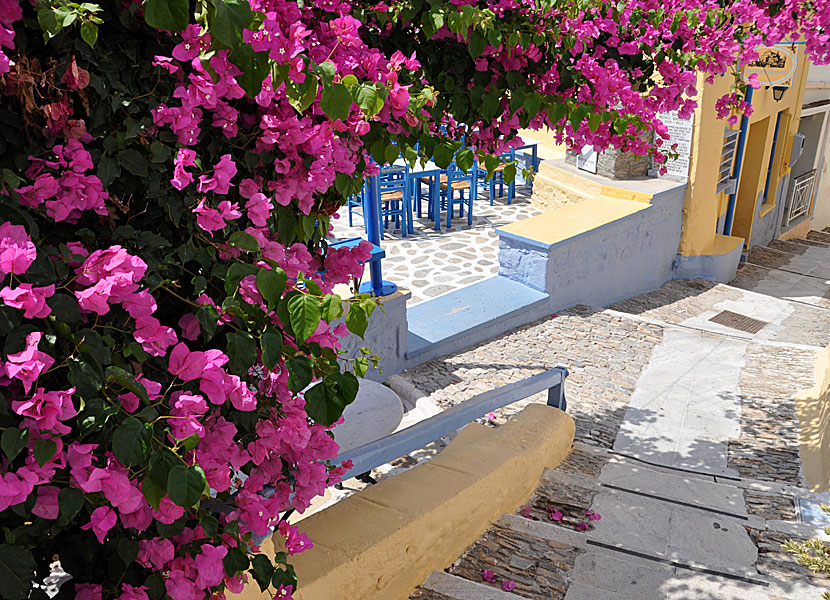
(169, 335)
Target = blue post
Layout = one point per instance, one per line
(371, 214)
(736, 173)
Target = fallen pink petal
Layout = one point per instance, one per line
(488, 576)
(508, 586)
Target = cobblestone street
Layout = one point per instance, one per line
(686, 443)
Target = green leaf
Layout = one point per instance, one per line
(208, 319)
(465, 158)
(336, 102)
(262, 570)
(306, 314)
(228, 19)
(271, 284)
(254, 67)
(349, 81)
(210, 524)
(64, 308)
(357, 320)
(70, 501)
(131, 442)
(299, 373)
(235, 274)
(127, 550)
(153, 492)
(443, 155)
(476, 44)
(128, 382)
(172, 15)
(235, 561)
(284, 577)
(89, 33)
(185, 485)
(133, 161)
(241, 351)
(243, 240)
(332, 307)
(323, 404)
(271, 344)
(366, 97)
(108, 170)
(13, 441)
(348, 386)
(44, 450)
(509, 172)
(17, 570)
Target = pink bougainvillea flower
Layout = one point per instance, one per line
(101, 521)
(491, 416)
(29, 363)
(186, 408)
(509, 585)
(185, 157)
(583, 526)
(31, 299)
(185, 364)
(593, 516)
(554, 514)
(488, 576)
(44, 411)
(220, 183)
(88, 591)
(133, 593)
(153, 336)
(208, 218)
(75, 77)
(209, 565)
(259, 209)
(180, 587)
(295, 541)
(189, 325)
(17, 251)
(155, 553)
(527, 512)
(284, 592)
(46, 505)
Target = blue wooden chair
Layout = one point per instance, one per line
(498, 179)
(395, 203)
(355, 203)
(465, 185)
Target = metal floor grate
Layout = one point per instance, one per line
(727, 318)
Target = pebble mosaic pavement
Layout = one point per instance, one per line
(430, 263)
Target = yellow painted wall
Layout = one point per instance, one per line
(813, 410)
(703, 206)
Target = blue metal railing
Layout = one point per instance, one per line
(393, 446)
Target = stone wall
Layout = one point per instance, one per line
(617, 165)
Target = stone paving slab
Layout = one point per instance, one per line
(685, 408)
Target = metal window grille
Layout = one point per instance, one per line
(727, 157)
(801, 198)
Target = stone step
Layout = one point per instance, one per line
(819, 236)
(443, 586)
(796, 246)
(812, 242)
(771, 258)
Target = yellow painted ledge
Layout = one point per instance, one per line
(567, 221)
(722, 244)
(383, 542)
(813, 409)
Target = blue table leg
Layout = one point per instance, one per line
(377, 286)
(436, 202)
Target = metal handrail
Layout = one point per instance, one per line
(393, 446)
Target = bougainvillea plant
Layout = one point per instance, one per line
(169, 367)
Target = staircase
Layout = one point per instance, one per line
(795, 269)
(664, 533)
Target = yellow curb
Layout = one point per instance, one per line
(383, 542)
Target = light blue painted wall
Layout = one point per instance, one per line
(386, 336)
(624, 258)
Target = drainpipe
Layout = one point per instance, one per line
(736, 172)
